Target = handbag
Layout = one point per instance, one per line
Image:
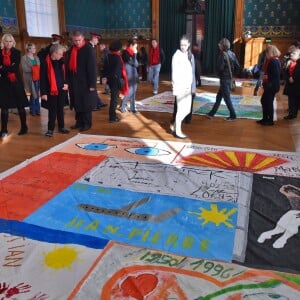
(232, 81)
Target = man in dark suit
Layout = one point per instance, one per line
(82, 78)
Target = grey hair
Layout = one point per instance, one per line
(224, 44)
(56, 47)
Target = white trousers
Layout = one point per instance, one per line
(184, 102)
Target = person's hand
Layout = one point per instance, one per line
(44, 97)
(3, 287)
(92, 89)
(291, 80)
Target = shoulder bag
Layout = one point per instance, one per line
(232, 82)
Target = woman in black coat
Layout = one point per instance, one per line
(292, 86)
(114, 74)
(12, 93)
(271, 84)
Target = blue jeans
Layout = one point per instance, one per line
(224, 92)
(130, 96)
(153, 75)
(34, 104)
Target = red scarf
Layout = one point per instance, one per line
(154, 56)
(265, 79)
(73, 58)
(6, 62)
(130, 51)
(125, 88)
(292, 68)
(51, 77)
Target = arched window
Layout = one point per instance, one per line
(41, 17)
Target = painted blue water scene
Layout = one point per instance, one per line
(179, 225)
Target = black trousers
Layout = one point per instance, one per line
(267, 101)
(4, 118)
(56, 110)
(114, 98)
(293, 101)
(144, 72)
(83, 119)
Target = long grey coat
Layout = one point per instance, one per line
(27, 75)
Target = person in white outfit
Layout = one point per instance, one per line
(183, 82)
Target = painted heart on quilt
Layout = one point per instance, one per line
(139, 286)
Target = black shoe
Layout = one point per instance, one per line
(230, 119)
(267, 123)
(76, 126)
(96, 108)
(64, 130)
(49, 133)
(102, 105)
(260, 121)
(23, 131)
(115, 120)
(85, 128)
(3, 134)
(289, 117)
(183, 137)
(208, 116)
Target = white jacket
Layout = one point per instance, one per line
(182, 73)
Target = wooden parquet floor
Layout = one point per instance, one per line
(283, 136)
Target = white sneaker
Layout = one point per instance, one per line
(155, 92)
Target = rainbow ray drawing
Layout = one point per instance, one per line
(233, 160)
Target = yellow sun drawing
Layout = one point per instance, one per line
(61, 258)
(215, 216)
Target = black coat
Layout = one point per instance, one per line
(293, 89)
(12, 94)
(44, 52)
(273, 82)
(113, 69)
(44, 79)
(81, 98)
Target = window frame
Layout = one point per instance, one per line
(50, 18)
